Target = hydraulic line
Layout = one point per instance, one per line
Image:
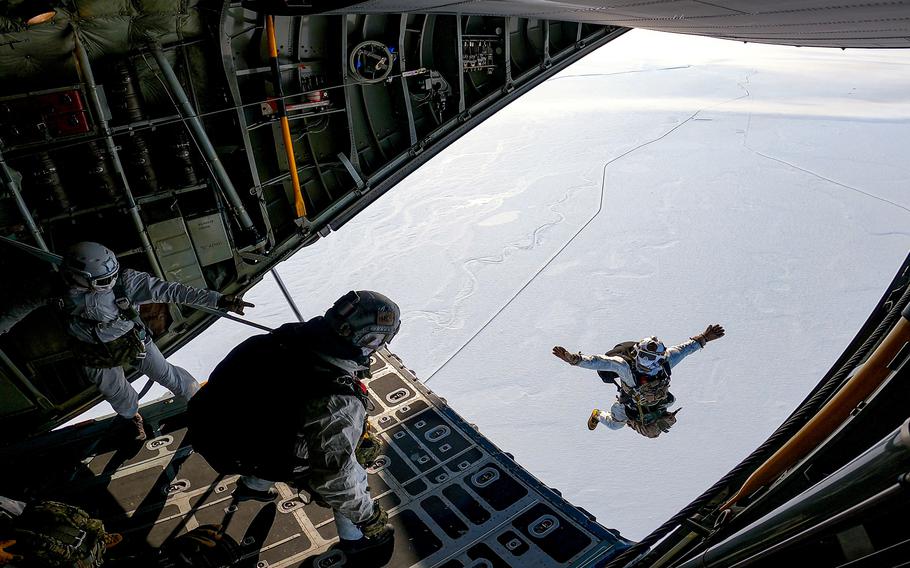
(299, 205)
(158, 123)
(12, 184)
(194, 124)
(85, 69)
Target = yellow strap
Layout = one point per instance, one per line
(299, 205)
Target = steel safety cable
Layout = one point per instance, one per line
(183, 120)
(587, 223)
(574, 236)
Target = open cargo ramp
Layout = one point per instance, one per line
(454, 498)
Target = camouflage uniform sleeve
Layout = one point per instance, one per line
(608, 363)
(334, 472)
(143, 288)
(602, 363)
(679, 352)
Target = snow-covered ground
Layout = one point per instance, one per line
(661, 184)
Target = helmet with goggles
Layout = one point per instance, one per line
(367, 319)
(91, 265)
(650, 353)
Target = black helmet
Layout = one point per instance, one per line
(367, 319)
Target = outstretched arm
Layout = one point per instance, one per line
(563, 353)
(679, 352)
(596, 363)
(143, 288)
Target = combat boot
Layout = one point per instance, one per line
(368, 552)
(140, 427)
(245, 493)
(594, 419)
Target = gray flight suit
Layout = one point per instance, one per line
(93, 316)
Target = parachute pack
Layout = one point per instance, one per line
(646, 405)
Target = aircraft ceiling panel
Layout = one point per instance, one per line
(679, 10)
(488, 7)
(592, 10)
(799, 22)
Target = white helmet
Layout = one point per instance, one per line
(91, 265)
(650, 353)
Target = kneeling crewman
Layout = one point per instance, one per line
(289, 406)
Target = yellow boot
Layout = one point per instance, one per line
(593, 420)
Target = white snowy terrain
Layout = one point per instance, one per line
(659, 185)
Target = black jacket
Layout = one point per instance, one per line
(249, 417)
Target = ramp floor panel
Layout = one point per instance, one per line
(453, 497)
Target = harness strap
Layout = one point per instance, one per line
(344, 384)
(125, 306)
(353, 386)
(641, 413)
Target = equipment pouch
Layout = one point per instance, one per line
(369, 447)
(124, 350)
(59, 535)
(653, 426)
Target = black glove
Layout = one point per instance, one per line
(377, 526)
(233, 303)
(570, 358)
(712, 332)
